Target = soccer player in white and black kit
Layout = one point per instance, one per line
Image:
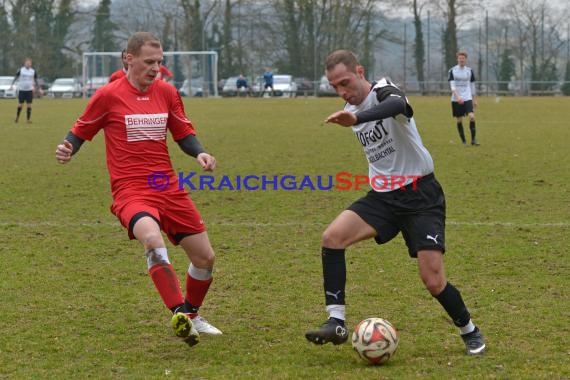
(382, 120)
(463, 101)
(27, 85)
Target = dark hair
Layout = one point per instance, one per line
(345, 57)
(139, 39)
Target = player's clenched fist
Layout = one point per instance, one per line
(63, 152)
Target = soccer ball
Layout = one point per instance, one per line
(375, 340)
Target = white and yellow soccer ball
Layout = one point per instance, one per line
(375, 340)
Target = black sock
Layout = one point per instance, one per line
(334, 275)
(177, 308)
(451, 300)
(460, 130)
(472, 129)
(28, 113)
(18, 112)
(189, 308)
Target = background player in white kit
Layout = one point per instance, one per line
(463, 102)
(27, 85)
(381, 110)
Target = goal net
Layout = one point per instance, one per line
(195, 73)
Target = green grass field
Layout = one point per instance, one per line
(76, 302)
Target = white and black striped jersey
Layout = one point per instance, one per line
(393, 146)
(462, 81)
(27, 77)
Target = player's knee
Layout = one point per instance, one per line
(434, 285)
(205, 259)
(332, 239)
(209, 259)
(153, 240)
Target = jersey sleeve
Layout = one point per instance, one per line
(178, 123)
(387, 91)
(93, 118)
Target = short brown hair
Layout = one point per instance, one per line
(139, 39)
(345, 57)
(461, 52)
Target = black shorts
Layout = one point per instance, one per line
(419, 214)
(460, 110)
(25, 96)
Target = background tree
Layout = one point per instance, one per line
(450, 34)
(419, 46)
(506, 70)
(537, 41)
(6, 42)
(39, 31)
(103, 37)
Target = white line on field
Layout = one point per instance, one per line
(48, 223)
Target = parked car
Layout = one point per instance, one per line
(325, 88)
(93, 84)
(192, 88)
(283, 86)
(44, 85)
(6, 88)
(230, 87)
(65, 88)
(305, 87)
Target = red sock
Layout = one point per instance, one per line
(166, 282)
(196, 292)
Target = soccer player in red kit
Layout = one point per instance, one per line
(165, 74)
(122, 72)
(135, 113)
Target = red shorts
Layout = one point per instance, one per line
(173, 210)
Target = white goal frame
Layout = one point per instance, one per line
(204, 54)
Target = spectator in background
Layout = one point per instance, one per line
(268, 82)
(242, 86)
(123, 71)
(27, 85)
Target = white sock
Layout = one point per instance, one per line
(199, 273)
(470, 327)
(336, 311)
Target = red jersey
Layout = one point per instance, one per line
(117, 75)
(135, 125)
(164, 73)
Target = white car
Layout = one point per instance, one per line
(230, 87)
(284, 86)
(325, 88)
(65, 88)
(93, 84)
(191, 88)
(6, 88)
